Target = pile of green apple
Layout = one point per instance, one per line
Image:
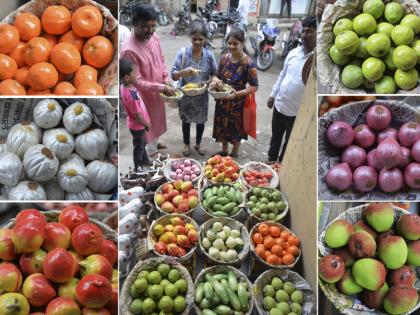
(375, 258)
(378, 48)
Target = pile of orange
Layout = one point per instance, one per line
(275, 245)
(60, 53)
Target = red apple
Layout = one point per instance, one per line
(192, 201)
(173, 250)
(175, 220)
(177, 200)
(177, 184)
(183, 241)
(181, 252)
(180, 230)
(57, 235)
(94, 291)
(160, 247)
(78, 258)
(28, 235)
(110, 251)
(166, 188)
(193, 192)
(60, 306)
(68, 289)
(10, 278)
(193, 236)
(59, 266)
(7, 249)
(186, 186)
(73, 216)
(32, 262)
(96, 264)
(171, 237)
(32, 215)
(87, 239)
(172, 194)
(38, 290)
(169, 228)
(184, 207)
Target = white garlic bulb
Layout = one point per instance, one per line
(73, 158)
(53, 190)
(77, 118)
(102, 176)
(85, 194)
(21, 137)
(60, 141)
(72, 177)
(47, 113)
(40, 163)
(10, 168)
(92, 145)
(27, 190)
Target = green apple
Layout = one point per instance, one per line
(337, 57)
(364, 24)
(402, 35)
(378, 45)
(404, 57)
(373, 69)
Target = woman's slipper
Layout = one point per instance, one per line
(221, 153)
(234, 155)
(198, 149)
(187, 152)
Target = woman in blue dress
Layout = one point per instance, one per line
(194, 64)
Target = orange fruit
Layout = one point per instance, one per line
(268, 242)
(278, 241)
(89, 88)
(31, 91)
(260, 251)
(293, 240)
(66, 58)
(37, 50)
(263, 228)
(72, 38)
(21, 76)
(272, 259)
(87, 21)
(64, 88)
(11, 87)
(42, 76)
(285, 235)
(275, 231)
(85, 73)
(288, 259)
(98, 51)
(277, 250)
(52, 39)
(56, 19)
(267, 253)
(28, 25)
(257, 238)
(293, 250)
(18, 54)
(8, 67)
(9, 38)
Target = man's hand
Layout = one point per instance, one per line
(169, 90)
(189, 72)
(270, 102)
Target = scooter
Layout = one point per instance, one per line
(183, 19)
(263, 45)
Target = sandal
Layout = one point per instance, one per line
(161, 146)
(187, 152)
(221, 153)
(234, 155)
(197, 148)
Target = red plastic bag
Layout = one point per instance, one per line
(250, 116)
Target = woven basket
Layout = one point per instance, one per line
(195, 92)
(149, 264)
(168, 168)
(224, 269)
(172, 99)
(233, 224)
(349, 304)
(252, 246)
(260, 167)
(214, 182)
(309, 298)
(280, 216)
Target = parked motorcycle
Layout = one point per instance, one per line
(183, 19)
(293, 39)
(161, 16)
(233, 20)
(263, 45)
(126, 12)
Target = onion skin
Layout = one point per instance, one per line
(339, 177)
(406, 158)
(412, 175)
(364, 136)
(354, 156)
(391, 180)
(340, 134)
(365, 178)
(389, 153)
(378, 117)
(415, 151)
(372, 160)
(388, 132)
(409, 133)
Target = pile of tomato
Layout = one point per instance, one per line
(255, 178)
(59, 53)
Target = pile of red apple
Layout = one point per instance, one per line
(256, 178)
(177, 197)
(221, 169)
(175, 239)
(63, 267)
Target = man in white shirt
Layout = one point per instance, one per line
(287, 93)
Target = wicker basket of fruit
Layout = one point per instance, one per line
(222, 241)
(221, 91)
(172, 99)
(194, 89)
(284, 290)
(176, 197)
(377, 242)
(183, 169)
(282, 243)
(174, 235)
(259, 174)
(223, 289)
(266, 204)
(218, 169)
(150, 276)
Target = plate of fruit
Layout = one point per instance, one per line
(172, 98)
(183, 169)
(194, 89)
(220, 91)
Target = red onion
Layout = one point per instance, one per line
(412, 175)
(378, 117)
(364, 136)
(354, 156)
(389, 153)
(340, 134)
(365, 178)
(409, 133)
(415, 150)
(391, 180)
(406, 157)
(373, 161)
(339, 177)
(388, 132)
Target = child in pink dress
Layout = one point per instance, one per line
(138, 121)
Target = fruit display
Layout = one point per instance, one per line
(157, 285)
(183, 169)
(56, 49)
(57, 263)
(377, 47)
(221, 200)
(373, 251)
(176, 197)
(327, 103)
(275, 245)
(259, 174)
(380, 152)
(222, 239)
(220, 169)
(172, 98)
(174, 235)
(56, 157)
(266, 204)
(222, 290)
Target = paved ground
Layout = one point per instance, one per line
(251, 150)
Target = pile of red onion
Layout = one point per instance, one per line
(375, 155)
